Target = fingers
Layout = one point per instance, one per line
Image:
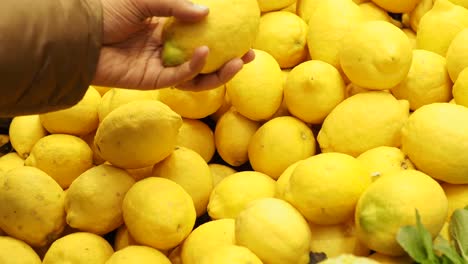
(249, 56)
(181, 9)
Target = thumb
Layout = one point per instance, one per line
(181, 9)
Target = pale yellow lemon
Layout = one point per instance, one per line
(282, 183)
(141, 173)
(460, 88)
(116, 97)
(328, 27)
(457, 195)
(232, 135)
(123, 238)
(376, 55)
(188, 169)
(349, 259)
(207, 238)
(230, 254)
(397, 6)
(457, 54)
(15, 251)
(24, 132)
(371, 11)
(79, 248)
(326, 187)
(10, 161)
(283, 35)
(312, 89)
(32, 206)
(228, 30)
(390, 203)
(197, 136)
(305, 8)
(138, 255)
(173, 206)
(79, 120)
(274, 231)
(62, 157)
(427, 81)
(279, 143)
(272, 5)
(362, 122)
(93, 202)
(418, 12)
(445, 158)
(237, 190)
(439, 26)
(256, 90)
(193, 104)
(219, 172)
(138, 134)
(384, 160)
(411, 36)
(336, 240)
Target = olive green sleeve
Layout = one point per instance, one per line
(48, 53)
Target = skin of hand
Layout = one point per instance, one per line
(132, 43)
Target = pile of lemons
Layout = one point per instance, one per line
(346, 122)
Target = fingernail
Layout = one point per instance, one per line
(200, 7)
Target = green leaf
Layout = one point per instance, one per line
(409, 239)
(448, 252)
(459, 231)
(426, 238)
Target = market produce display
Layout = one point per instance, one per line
(344, 141)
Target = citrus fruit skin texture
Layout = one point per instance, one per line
(446, 158)
(228, 34)
(24, 132)
(231, 254)
(15, 251)
(460, 88)
(390, 203)
(138, 254)
(457, 55)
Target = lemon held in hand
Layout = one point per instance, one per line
(229, 31)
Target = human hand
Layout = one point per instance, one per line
(132, 45)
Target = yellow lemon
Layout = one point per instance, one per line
(384, 259)
(79, 248)
(274, 231)
(352, 127)
(282, 183)
(273, 5)
(207, 238)
(457, 54)
(89, 139)
(352, 89)
(94, 200)
(439, 26)
(290, 8)
(138, 255)
(385, 160)
(225, 106)
(371, 11)
(102, 89)
(418, 12)
(376, 55)
(173, 206)
(197, 136)
(15, 251)
(460, 88)
(427, 81)
(390, 203)
(188, 169)
(463, 3)
(79, 120)
(62, 157)
(174, 255)
(230, 254)
(411, 36)
(397, 6)
(328, 26)
(305, 8)
(219, 172)
(446, 158)
(138, 134)
(349, 259)
(123, 238)
(279, 143)
(313, 88)
(10, 161)
(283, 35)
(227, 34)
(232, 135)
(457, 195)
(24, 132)
(193, 104)
(32, 206)
(326, 187)
(235, 191)
(336, 240)
(141, 173)
(257, 89)
(116, 97)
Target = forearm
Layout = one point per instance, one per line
(48, 53)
